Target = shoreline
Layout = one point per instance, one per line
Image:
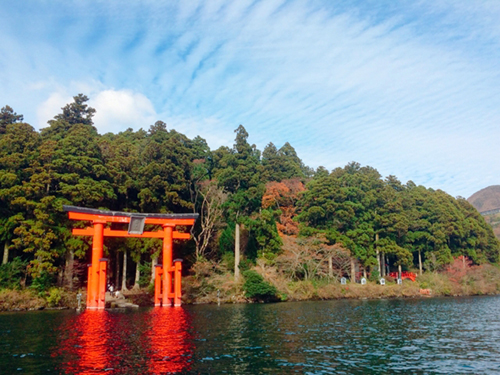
(327, 292)
(61, 308)
(209, 287)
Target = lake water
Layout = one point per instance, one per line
(421, 336)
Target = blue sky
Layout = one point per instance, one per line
(411, 88)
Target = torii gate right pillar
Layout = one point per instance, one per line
(165, 291)
(167, 265)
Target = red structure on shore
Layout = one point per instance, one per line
(166, 291)
(404, 275)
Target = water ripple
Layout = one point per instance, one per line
(428, 336)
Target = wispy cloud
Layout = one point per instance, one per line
(410, 89)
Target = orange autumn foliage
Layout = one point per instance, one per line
(283, 196)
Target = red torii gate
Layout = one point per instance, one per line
(96, 284)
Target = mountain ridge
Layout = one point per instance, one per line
(487, 199)
(487, 202)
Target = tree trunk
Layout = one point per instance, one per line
(68, 269)
(399, 271)
(137, 275)
(237, 253)
(6, 246)
(330, 267)
(381, 256)
(463, 261)
(124, 271)
(364, 273)
(382, 265)
(420, 262)
(60, 277)
(378, 255)
(117, 270)
(153, 264)
(353, 271)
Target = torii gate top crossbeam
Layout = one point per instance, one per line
(91, 214)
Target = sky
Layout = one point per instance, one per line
(411, 88)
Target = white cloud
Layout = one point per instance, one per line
(51, 107)
(117, 110)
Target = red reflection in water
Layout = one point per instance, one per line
(97, 342)
(169, 339)
(84, 345)
(94, 340)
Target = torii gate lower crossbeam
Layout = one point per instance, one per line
(96, 285)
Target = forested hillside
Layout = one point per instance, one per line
(306, 223)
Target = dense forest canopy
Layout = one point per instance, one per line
(279, 202)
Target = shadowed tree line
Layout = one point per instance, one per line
(265, 205)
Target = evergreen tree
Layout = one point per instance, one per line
(8, 116)
(281, 164)
(18, 150)
(166, 164)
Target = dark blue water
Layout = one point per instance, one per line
(424, 336)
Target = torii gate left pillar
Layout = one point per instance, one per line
(96, 284)
(165, 290)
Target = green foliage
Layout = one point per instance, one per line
(42, 283)
(245, 264)
(165, 171)
(263, 229)
(145, 278)
(226, 239)
(374, 276)
(54, 296)
(7, 117)
(12, 273)
(257, 288)
(72, 114)
(354, 207)
(228, 260)
(238, 171)
(281, 164)
(161, 171)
